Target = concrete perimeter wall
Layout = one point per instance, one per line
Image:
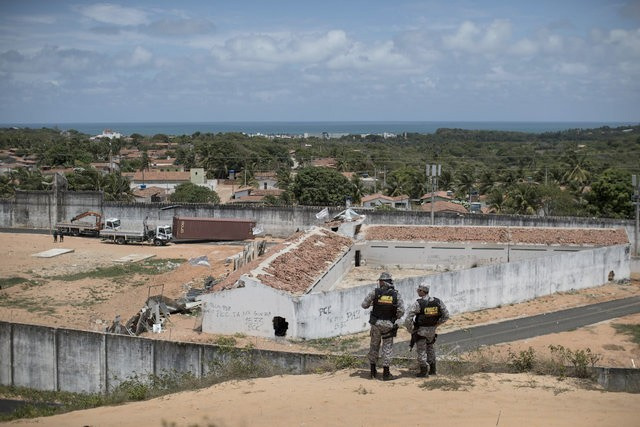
(334, 313)
(45, 358)
(442, 256)
(42, 209)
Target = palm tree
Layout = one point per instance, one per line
(466, 180)
(524, 199)
(117, 188)
(496, 200)
(486, 181)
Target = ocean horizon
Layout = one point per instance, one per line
(311, 128)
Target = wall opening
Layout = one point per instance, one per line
(280, 326)
(357, 258)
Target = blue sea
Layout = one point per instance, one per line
(319, 128)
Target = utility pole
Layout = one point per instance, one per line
(433, 172)
(375, 180)
(636, 201)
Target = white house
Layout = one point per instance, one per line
(107, 134)
(398, 202)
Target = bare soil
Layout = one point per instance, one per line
(93, 304)
(343, 398)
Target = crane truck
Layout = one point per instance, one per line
(75, 227)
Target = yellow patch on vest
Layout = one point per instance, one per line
(431, 311)
(385, 299)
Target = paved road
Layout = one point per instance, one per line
(528, 327)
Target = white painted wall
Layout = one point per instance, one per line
(249, 310)
(334, 313)
(440, 256)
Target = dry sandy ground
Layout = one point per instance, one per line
(347, 399)
(343, 398)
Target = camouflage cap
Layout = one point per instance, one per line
(385, 277)
(423, 287)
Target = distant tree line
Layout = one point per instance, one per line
(576, 172)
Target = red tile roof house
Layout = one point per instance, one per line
(167, 180)
(443, 206)
(151, 194)
(266, 180)
(445, 196)
(254, 195)
(398, 202)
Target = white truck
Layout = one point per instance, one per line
(159, 236)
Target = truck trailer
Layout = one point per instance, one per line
(187, 229)
(159, 236)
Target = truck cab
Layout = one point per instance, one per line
(163, 233)
(112, 224)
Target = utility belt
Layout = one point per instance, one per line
(373, 319)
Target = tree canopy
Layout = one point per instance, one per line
(317, 186)
(191, 193)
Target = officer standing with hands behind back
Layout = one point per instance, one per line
(388, 307)
(423, 317)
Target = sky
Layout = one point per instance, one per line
(296, 60)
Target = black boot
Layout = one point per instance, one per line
(423, 371)
(374, 372)
(386, 375)
(432, 368)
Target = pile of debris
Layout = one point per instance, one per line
(158, 309)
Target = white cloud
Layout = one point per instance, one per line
(140, 56)
(377, 58)
(464, 37)
(469, 37)
(180, 27)
(524, 47)
(572, 68)
(37, 19)
(629, 41)
(282, 48)
(496, 36)
(114, 14)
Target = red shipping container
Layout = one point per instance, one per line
(214, 229)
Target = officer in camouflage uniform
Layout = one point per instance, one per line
(423, 317)
(388, 307)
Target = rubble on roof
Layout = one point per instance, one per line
(504, 235)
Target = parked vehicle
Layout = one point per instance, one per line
(84, 228)
(212, 229)
(159, 236)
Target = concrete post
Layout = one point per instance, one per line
(636, 201)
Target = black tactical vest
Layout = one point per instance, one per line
(430, 312)
(385, 304)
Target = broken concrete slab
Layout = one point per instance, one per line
(134, 258)
(52, 253)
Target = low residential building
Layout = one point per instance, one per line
(167, 180)
(445, 196)
(150, 194)
(324, 162)
(266, 180)
(444, 206)
(107, 134)
(374, 200)
(254, 195)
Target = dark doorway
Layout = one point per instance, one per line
(280, 326)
